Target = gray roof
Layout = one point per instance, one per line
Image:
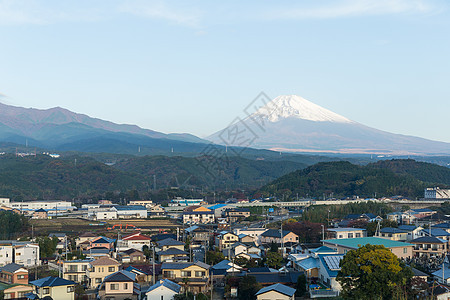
(345, 229)
(11, 268)
(172, 251)
(428, 239)
(392, 230)
(169, 242)
(166, 283)
(278, 287)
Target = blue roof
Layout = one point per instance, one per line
(173, 251)
(337, 257)
(392, 230)
(441, 225)
(356, 243)
(422, 210)
(166, 283)
(436, 232)
(120, 276)
(323, 249)
(309, 263)
(439, 273)
(224, 264)
(104, 240)
(278, 287)
(407, 227)
(52, 281)
(130, 207)
(217, 206)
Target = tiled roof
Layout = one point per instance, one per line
(166, 283)
(169, 242)
(52, 281)
(428, 239)
(105, 261)
(274, 233)
(392, 230)
(11, 268)
(121, 276)
(278, 287)
(173, 251)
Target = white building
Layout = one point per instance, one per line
(437, 193)
(133, 241)
(130, 211)
(105, 215)
(58, 205)
(255, 233)
(144, 203)
(163, 290)
(178, 201)
(22, 253)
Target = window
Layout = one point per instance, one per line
(405, 250)
(185, 273)
(111, 269)
(125, 286)
(114, 286)
(70, 289)
(98, 280)
(46, 291)
(199, 273)
(20, 276)
(93, 269)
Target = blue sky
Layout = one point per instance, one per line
(193, 66)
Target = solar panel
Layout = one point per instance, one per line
(333, 262)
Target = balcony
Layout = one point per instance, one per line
(321, 293)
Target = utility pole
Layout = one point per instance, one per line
(153, 260)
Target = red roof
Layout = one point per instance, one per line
(134, 237)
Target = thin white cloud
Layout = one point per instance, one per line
(163, 11)
(355, 8)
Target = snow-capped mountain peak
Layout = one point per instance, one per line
(287, 106)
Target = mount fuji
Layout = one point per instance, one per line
(290, 123)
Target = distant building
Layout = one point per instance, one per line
(437, 193)
(40, 214)
(144, 203)
(76, 270)
(198, 215)
(130, 211)
(185, 202)
(346, 233)
(276, 291)
(342, 246)
(54, 205)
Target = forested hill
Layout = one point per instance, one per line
(43, 177)
(423, 171)
(343, 179)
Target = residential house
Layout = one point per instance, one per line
(328, 270)
(16, 291)
(276, 292)
(99, 269)
(131, 256)
(130, 211)
(76, 270)
(219, 209)
(429, 246)
(274, 236)
(173, 255)
(392, 233)
(40, 214)
(224, 268)
(14, 274)
(26, 254)
(198, 215)
(412, 231)
(156, 211)
(266, 276)
(163, 290)
(237, 214)
(144, 273)
(83, 238)
(225, 239)
(255, 233)
(199, 235)
(165, 244)
(134, 240)
(446, 272)
(342, 246)
(120, 285)
(102, 242)
(54, 287)
(243, 238)
(346, 233)
(193, 277)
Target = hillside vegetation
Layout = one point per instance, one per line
(343, 179)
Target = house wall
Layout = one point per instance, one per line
(96, 274)
(58, 292)
(120, 288)
(273, 295)
(17, 291)
(161, 293)
(6, 255)
(27, 255)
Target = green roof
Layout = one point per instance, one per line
(359, 242)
